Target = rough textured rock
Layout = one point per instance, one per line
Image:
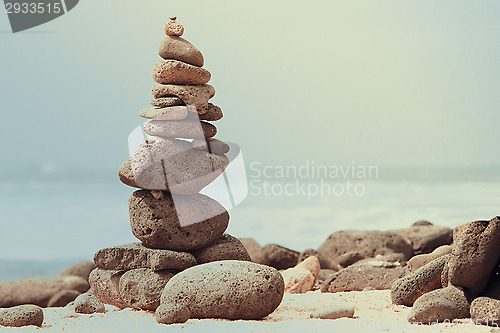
(324, 261)
(334, 311)
(171, 165)
(165, 113)
(155, 221)
(427, 278)
(439, 305)
(173, 28)
(255, 251)
(280, 257)
(136, 255)
(378, 275)
(476, 249)
(213, 113)
(422, 223)
(367, 243)
(485, 310)
(324, 276)
(38, 291)
(226, 247)
(177, 72)
(211, 145)
(178, 48)
(22, 315)
(493, 288)
(188, 129)
(164, 102)
(426, 238)
(190, 95)
(141, 288)
(106, 287)
(298, 280)
(81, 269)
(423, 259)
(87, 304)
(63, 298)
(223, 289)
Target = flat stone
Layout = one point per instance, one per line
(38, 291)
(440, 305)
(223, 289)
(87, 304)
(334, 311)
(426, 238)
(178, 72)
(188, 129)
(81, 269)
(164, 102)
(106, 287)
(171, 165)
(226, 247)
(22, 315)
(141, 288)
(63, 298)
(132, 256)
(178, 48)
(166, 113)
(280, 257)
(423, 259)
(407, 289)
(485, 310)
(476, 248)
(190, 95)
(379, 275)
(156, 221)
(367, 244)
(213, 113)
(211, 145)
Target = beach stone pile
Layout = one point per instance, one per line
(457, 281)
(172, 269)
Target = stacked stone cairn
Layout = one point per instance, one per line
(184, 266)
(461, 281)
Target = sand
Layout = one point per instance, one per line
(374, 312)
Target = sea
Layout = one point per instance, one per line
(48, 224)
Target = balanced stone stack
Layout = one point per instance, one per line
(457, 281)
(179, 228)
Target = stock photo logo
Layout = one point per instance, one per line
(24, 14)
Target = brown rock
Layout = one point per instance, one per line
(324, 261)
(255, 251)
(426, 238)
(427, 278)
(190, 95)
(440, 305)
(349, 258)
(165, 102)
(173, 28)
(132, 256)
(213, 113)
(106, 287)
(81, 269)
(22, 315)
(155, 165)
(141, 288)
(38, 291)
(366, 243)
(180, 49)
(188, 129)
(485, 310)
(423, 259)
(476, 249)
(422, 223)
(226, 247)
(378, 275)
(63, 298)
(280, 257)
(156, 221)
(166, 113)
(87, 304)
(223, 289)
(211, 145)
(178, 72)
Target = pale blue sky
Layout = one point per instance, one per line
(382, 83)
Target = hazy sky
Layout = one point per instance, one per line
(387, 83)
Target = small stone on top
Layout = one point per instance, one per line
(174, 28)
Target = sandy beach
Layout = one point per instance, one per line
(373, 313)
